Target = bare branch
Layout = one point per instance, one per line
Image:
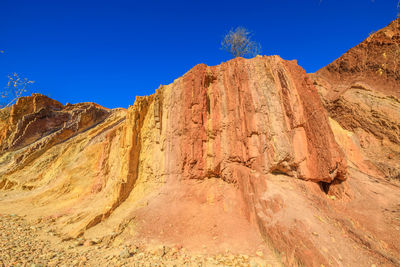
(16, 87)
(238, 43)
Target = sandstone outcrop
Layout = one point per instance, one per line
(375, 62)
(239, 156)
(361, 91)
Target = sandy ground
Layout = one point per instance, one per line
(27, 244)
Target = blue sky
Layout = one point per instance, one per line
(110, 51)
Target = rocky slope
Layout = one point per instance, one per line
(239, 158)
(361, 91)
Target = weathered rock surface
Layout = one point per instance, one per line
(35, 124)
(361, 91)
(239, 157)
(375, 62)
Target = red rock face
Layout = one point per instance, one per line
(244, 122)
(263, 114)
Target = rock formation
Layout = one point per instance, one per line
(361, 91)
(239, 156)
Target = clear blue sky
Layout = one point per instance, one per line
(110, 51)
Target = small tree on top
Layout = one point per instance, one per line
(239, 44)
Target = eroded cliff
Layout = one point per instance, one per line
(361, 91)
(239, 156)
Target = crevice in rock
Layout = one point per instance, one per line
(335, 189)
(158, 107)
(324, 187)
(209, 79)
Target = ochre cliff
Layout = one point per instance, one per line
(375, 61)
(239, 156)
(361, 91)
